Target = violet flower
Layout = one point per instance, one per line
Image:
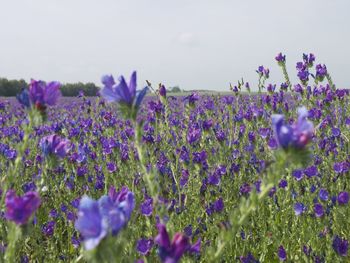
(123, 93)
(90, 223)
(280, 58)
(172, 251)
(40, 94)
(55, 145)
(109, 214)
(20, 208)
(282, 255)
(340, 246)
(297, 135)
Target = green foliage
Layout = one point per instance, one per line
(10, 88)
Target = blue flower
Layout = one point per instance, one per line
(90, 223)
(299, 208)
(23, 98)
(340, 246)
(108, 214)
(297, 135)
(123, 93)
(117, 210)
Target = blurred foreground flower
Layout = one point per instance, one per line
(297, 135)
(20, 208)
(55, 145)
(40, 94)
(108, 214)
(171, 252)
(123, 93)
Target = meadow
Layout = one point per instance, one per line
(245, 177)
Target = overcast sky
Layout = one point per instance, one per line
(196, 44)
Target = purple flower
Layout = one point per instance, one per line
(192, 98)
(303, 75)
(318, 209)
(340, 246)
(323, 194)
(282, 255)
(280, 58)
(171, 252)
(343, 198)
(194, 134)
(162, 91)
(117, 208)
(299, 208)
(336, 132)
(42, 94)
(311, 171)
(263, 72)
(123, 93)
(111, 167)
(219, 205)
(283, 184)
(55, 145)
(20, 208)
(23, 98)
(48, 228)
(248, 259)
(297, 135)
(108, 214)
(271, 88)
(90, 223)
(321, 71)
(144, 246)
(147, 207)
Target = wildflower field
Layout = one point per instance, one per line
(125, 177)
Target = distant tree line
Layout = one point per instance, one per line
(175, 89)
(9, 88)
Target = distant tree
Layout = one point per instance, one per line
(175, 89)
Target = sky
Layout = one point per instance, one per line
(193, 44)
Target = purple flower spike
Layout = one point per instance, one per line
(20, 208)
